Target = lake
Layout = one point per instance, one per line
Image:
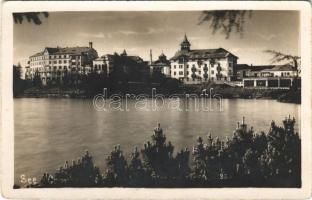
(50, 131)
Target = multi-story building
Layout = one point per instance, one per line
(161, 65)
(193, 66)
(52, 64)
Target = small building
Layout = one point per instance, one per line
(161, 65)
(268, 82)
(129, 64)
(103, 64)
(268, 76)
(244, 70)
(279, 71)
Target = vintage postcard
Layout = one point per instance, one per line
(156, 100)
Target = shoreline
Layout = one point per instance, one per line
(67, 95)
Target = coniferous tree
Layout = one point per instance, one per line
(37, 82)
(18, 83)
(117, 172)
(137, 175)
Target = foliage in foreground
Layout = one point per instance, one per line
(247, 159)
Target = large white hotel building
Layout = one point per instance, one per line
(193, 66)
(52, 64)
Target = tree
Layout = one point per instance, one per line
(94, 83)
(278, 57)
(19, 85)
(294, 93)
(272, 159)
(160, 164)
(137, 174)
(225, 21)
(81, 173)
(30, 16)
(117, 172)
(170, 86)
(37, 80)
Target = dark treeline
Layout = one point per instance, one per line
(129, 76)
(122, 82)
(245, 160)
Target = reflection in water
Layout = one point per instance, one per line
(50, 131)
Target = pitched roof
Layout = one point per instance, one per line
(136, 59)
(100, 59)
(281, 68)
(203, 54)
(110, 57)
(242, 66)
(264, 68)
(66, 50)
(185, 41)
(51, 50)
(73, 50)
(37, 54)
(162, 60)
(261, 67)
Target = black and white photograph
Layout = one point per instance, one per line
(199, 98)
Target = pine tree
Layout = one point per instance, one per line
(117, 172)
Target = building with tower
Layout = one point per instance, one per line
(121, 63)
(161, 65)
(195, 66)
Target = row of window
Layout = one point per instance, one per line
(98, 65)
(187, 66)
(285, 74)
(53, 57)
(36, 63)
(198, 79)
(59, 56)
(60, 62)
(51, 62)
(268, 74)
(196, 58)
(36, 58)
(187, 72)
(53, 67)
(54, 70)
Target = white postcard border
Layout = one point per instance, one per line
(7, 122)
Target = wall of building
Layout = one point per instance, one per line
(268, 82)
(53, 67)
(185, 70)
(278, 73)
(100, 66)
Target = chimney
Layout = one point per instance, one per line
(151, 56)
(90, 45)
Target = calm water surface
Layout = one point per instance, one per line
(50, 131)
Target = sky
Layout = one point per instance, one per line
(138, 32)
